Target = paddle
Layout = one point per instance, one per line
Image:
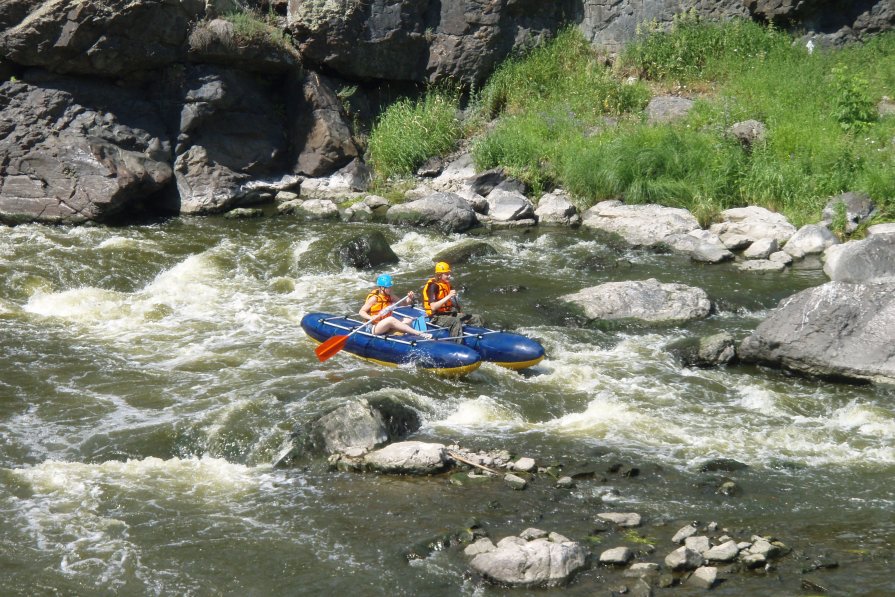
(337, 343)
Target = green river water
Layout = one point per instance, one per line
(149, 375)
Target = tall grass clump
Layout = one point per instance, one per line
(692, 49)
(668, 165)
(562, 73)
(527, 146)
(411, 131)
(251, 26)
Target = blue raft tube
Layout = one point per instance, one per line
(394, 350)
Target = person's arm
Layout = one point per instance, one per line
(437, 304)
(365, 310)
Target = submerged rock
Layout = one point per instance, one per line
(367, 250)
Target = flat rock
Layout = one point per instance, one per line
(408, 458)
(647, 300)
(639, 225)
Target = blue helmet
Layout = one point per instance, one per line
(384, 280)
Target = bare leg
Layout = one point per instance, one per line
(390, 324)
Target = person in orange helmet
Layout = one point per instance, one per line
(441, 303)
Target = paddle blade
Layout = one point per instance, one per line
(330, 347)
(419, 323)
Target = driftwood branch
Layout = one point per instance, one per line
(459, 458)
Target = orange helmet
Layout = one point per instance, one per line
(442, 268)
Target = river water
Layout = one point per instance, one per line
(150, 375)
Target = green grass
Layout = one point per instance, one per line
(411, 131)
(251, 26)
(567, 119)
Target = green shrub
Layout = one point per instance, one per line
(411, 131)
(562, 73)
(853, 108)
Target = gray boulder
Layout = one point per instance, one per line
(617, 556)
(367, 250)
(667, 108)
(446, 211)
(684, 558)
(858, 208)
(647, 300)
(230, 136)
(701, 248)
(639, 225)
(77, 151)
(753, 222)
(555, 209)
(835, 330)
(509, 206)
(761, 266)
(465, 251)
(408, 458)
(879, 229)
(761, 249)
(748, 132)
(536, 563)
(868, 261)
(810, 239)
(353, 425)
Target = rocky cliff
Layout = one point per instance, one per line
(111, 106)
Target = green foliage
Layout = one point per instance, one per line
(840, 220)
(563, 73)
(410, 132)
(669, 165)
(853, 106)
(251, 26)
(692, 49)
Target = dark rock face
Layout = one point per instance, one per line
(229, 133)
(96, 38)
(843, 19)
(420, 40)
(835, 330)
(320, 130)
(66, 157)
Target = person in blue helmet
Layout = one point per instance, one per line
(381, 298)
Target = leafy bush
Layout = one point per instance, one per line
(411, 131)
(853, 107)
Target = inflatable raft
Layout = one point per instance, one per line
(440, 355)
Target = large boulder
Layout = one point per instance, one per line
(76, 151)
(352, 425)
(555, 209)
(542, 562)
(867, 261)
(420, 40)
(111, 38)
(367, 250)
(754, 223)
(856, 208)
(464, 251)
(509, 206)
(446, 211)
(810, 239)
(835, 330)
(647, 300)
(639, 225)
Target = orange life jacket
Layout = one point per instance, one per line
(442, 288)
(383, 300)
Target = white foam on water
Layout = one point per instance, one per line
(83, 305)
(71, 509)
(758, 399)
(865, 420)
(117, 243)
(483, 411)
